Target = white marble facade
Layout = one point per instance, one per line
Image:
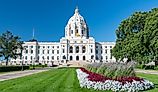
(76, 46)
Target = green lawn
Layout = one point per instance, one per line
(56, 80)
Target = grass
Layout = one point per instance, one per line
(151, 77)
(56, 80)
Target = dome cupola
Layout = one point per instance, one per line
(76, 26)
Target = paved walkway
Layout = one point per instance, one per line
(147, 71)
(17, 74)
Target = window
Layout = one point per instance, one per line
(26, 51)
(64, 57)
(52, 51)
(106, 57)
(38, 46)
(31, 51)
(47, 51)
(106, 51)
(43, 57)
(47, 57)
(52, 57)
(77, 57)
(105, 46)
(57, 57)
(96, 51)
(83, 49)
(63, 51)
(38, 51)
(71, 58)
(43, 51)
(71, 49)
(31, 58)
(82, 31)
(91, 50)
(77, 49)
(97, 58)
(57, 46)
(25, 57)
(31, 46)
(110, 46)
(92, 57)
(48, 46)
(71, 31)
(84, 58)
(57, 51)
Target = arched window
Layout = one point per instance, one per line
(83, 49)
(77, 57)
(77, 49)
(71, 49)
(84, 58)
(71, 58)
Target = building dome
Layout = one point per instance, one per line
(76, 26)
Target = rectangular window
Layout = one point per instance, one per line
(43, 51)
(26, 51)
(71, 31)
(91, 50)
(106, 51)
(52, 51)
(52, 57)
(57, 51)
(47, 51)
(31, 51)
(63, 51)
(57, 57)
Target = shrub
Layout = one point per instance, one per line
(12, 68)
(112, 70)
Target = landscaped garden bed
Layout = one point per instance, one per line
(97, 81)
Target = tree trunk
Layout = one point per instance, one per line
(7, 62)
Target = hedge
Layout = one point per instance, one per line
(12, 68)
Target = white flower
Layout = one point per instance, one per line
(135, 86)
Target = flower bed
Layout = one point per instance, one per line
(96, 81)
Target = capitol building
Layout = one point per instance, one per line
(76, 46)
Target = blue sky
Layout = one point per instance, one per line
(49, 17)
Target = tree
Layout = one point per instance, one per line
(10, 46)
(137, 37)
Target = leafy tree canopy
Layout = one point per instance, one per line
(9, 46)
(137, 37)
